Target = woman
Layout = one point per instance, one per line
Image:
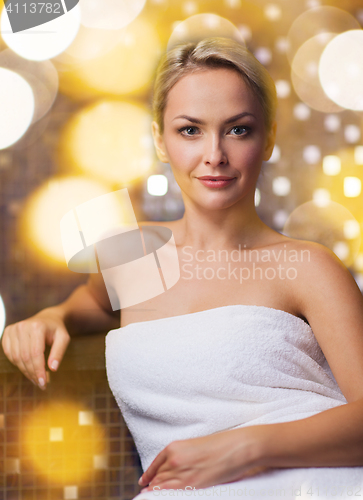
(221, 379)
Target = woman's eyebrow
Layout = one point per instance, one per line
(229, 120)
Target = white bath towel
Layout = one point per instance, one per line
(232, 366)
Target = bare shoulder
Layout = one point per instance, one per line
(330, 299)
(315, 258)
(318, 271)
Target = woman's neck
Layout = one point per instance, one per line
(220, 229)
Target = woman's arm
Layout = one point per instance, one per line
(86, 310)
(332, 303)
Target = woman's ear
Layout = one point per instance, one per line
(270, 142)
(159, 143)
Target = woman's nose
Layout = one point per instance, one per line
(214, 153)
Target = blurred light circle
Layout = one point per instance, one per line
(332, 123)
(359, 262)
(281, 186)
(16, 107)
(110, 140)
(341, 70)
(44, 41)
(318, 21)
(352, 186)
(264, 55)
(321, 197)
(352, 133)
(359, 280)
(325, 224)
(2, 317)
(313, 95)
(302, 112)
(358, 155)
(306, 60)
(33, 133)
(341, 250)
(245, 32)
(351, 229)
(282, 44)
(109, 14)
(46, 207)
(276, 155)
(58, 446)
(90, 43)
(157, 185)
(233, 4)
(305, 74)
(195, 28)
(312, 4)
(332, 165)
(125, 69)
(312, 154)
(257, 197)
(283, 89)
(40, 75)
(190, 8)
(273, 12)
(279, 218)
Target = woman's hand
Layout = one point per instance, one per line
(24, 344)
(207, 461)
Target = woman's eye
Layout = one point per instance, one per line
(188, 130)
(240, 130)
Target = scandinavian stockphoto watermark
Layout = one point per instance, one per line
(303, 491)
(26, 14)
(137, 263)
(242, 264)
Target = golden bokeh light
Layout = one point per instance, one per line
(2, 316)
(43, 41)
(332, 165)
(321, 197)
(40, 75)
(157, 185)
(110, 14)
(40, 225)
(342, 165)
(305, 74)
(126, 69)
(59, 448)
(352, 187)
(16, 107)
(199, 26)
(328, 223)
(358, 155)
(318, 21)
(341, 70)
(88, 44)
(110, 140)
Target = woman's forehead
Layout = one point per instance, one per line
(220, 88)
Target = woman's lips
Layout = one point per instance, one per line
(217, 184)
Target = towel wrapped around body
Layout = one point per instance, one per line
(229, 367)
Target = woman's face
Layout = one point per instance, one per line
(214, 126)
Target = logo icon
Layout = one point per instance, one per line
(30, 13)
(136, 263)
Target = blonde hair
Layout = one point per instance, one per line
(216, 52)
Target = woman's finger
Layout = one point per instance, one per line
(150, 472)
(17, 355)
(59, 346)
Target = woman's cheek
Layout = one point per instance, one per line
(182, 158)
(254, 156)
